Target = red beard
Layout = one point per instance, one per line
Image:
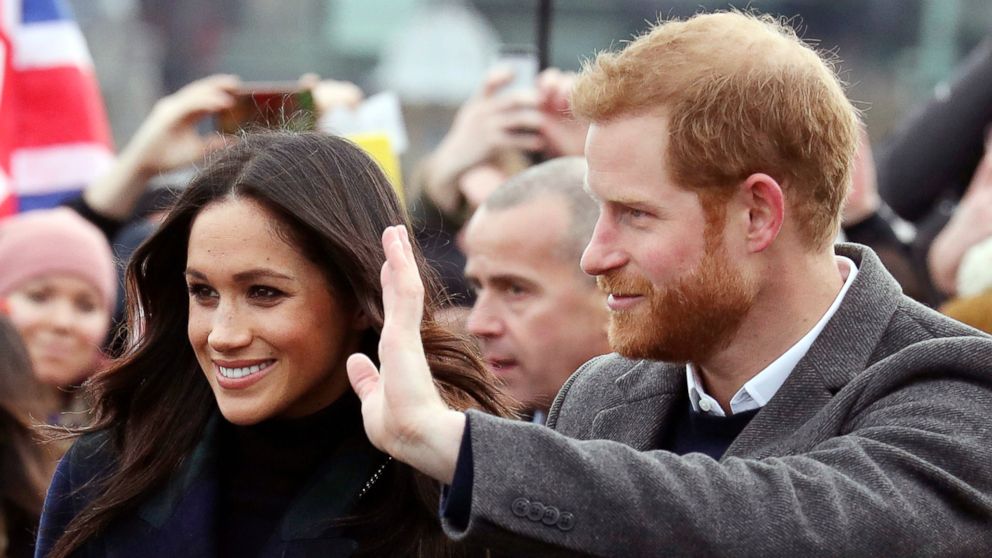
(687, 322)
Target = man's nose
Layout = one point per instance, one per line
(602, 254)
(484, 320)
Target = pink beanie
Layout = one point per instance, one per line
(48, 241)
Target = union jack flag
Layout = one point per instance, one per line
(54, 134)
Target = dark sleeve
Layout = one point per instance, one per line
(108, 226)
(937, 148)
(456, 500)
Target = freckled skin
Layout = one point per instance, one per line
(290, 319)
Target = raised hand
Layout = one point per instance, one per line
(167, 139)
(563, 134)
(488, 124)
(403, 412)
(970, 224)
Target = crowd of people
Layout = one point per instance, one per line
(670, 305)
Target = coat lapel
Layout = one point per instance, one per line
(842, 350)
(178, 519)
(651, 391)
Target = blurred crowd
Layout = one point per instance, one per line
(501, 212)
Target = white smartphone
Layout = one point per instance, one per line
(522, 61)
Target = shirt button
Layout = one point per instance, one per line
(705, 405)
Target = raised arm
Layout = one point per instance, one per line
(166, 140)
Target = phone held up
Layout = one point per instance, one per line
(269, 105)
(522, 61)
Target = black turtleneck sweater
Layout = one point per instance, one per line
(263, 467)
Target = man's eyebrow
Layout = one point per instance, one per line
(509, 279)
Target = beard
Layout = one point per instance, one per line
(688, 321)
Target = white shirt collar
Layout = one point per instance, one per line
(762, 387)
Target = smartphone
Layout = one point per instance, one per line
(274, 105)
(522, 61)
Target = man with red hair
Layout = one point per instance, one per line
(771, 394)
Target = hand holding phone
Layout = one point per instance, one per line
(521, 60)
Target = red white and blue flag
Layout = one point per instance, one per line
(54, 134)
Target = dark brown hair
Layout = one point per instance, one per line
(334, 202)
(24, 468)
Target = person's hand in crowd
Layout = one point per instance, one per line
(490, 122)
(563, 133)
(329, 94)
(403, 412)
(970, 224)
(167, 139)
(863, 200)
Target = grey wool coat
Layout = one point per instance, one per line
(878, 444)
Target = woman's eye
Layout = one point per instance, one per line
(85, 305)
(262, 292)
(200, 292)
(39, 295)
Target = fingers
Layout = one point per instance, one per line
(525, 141)
(330, 94)
(308, 80)
(362, 374)
(554, 88)
(203, 96)
(403, 290)
(496, 79)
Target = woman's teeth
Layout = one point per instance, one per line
(241, 372)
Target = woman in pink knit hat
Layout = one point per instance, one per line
(58, 282)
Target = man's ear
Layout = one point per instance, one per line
(763, 198)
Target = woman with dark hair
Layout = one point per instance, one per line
(24, 469)
(228, 427)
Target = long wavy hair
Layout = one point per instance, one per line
(25, 469)
(334, 203)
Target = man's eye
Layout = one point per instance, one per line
(515, 290)
(636, 213)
